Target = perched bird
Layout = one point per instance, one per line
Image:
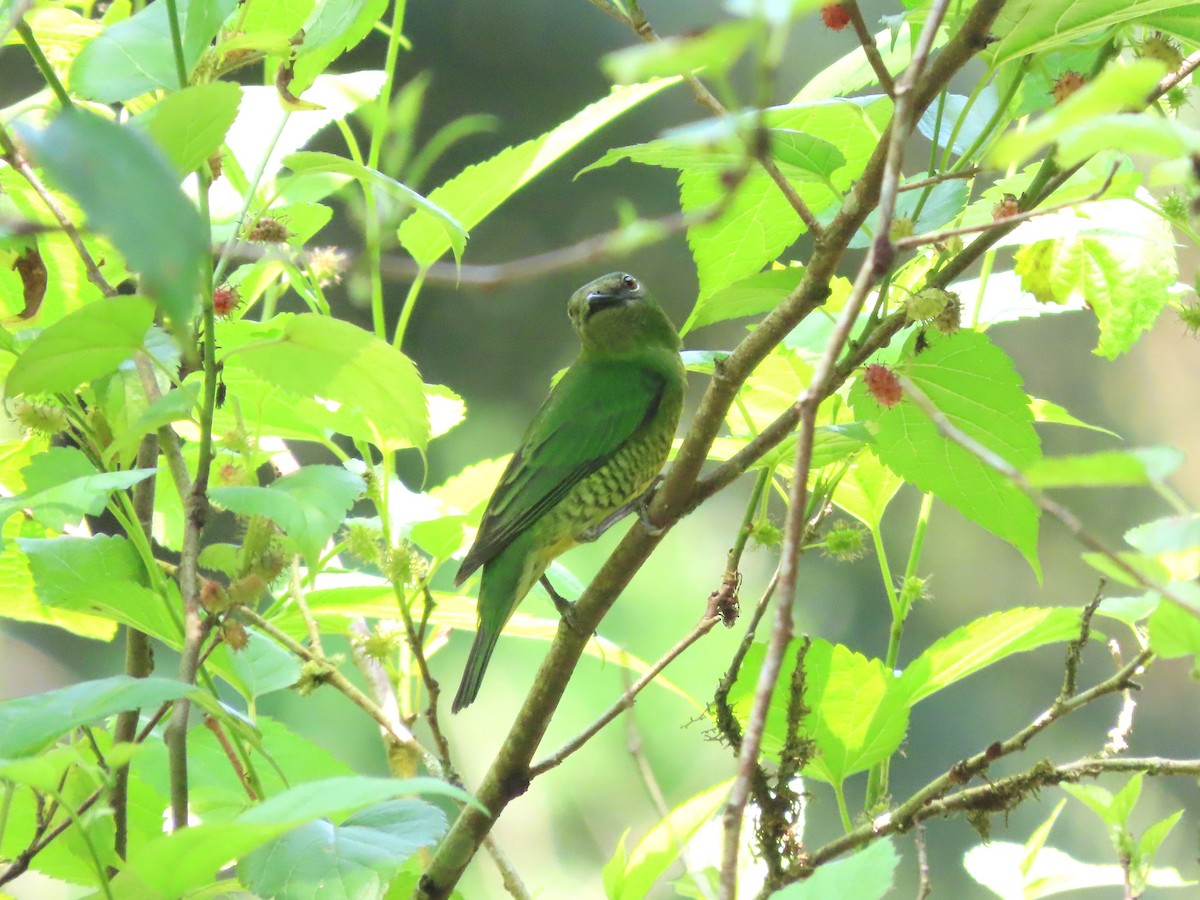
(597, 443)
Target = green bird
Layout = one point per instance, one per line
(597, 443)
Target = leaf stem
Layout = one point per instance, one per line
(177, 42)
(39, 58)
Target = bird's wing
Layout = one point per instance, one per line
(594, 409)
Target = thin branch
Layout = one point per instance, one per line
(508, 775)
(937, 237)
(868, 44)
(332, 676)
(703, 627)
(969, 172)
(1072, 522)
(878, 260)
(935, 798)
(924, 886)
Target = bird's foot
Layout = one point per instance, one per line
(643, 508)
(566, 609)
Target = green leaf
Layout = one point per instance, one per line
(473, 194)
(776, 12)
(715, 49)
(31, 723)
(261, 667)
(131, 194)
(87, 344)
(102, 575)
(758, 223)
(313, 162)
(974, 385)
(1115, 89)
(190, 125)
(251, 138)
(1173, 541)
(985, 641)
(866, 489)
(951, 113)
(318, 356)
(858, 712)
(137, 55)
(1052, 413)
(654, 854)
(853, 72)
(176, 863)
(1030, 26)
(998, 866)
(1133, 133)
(866, 875)
(354, 859)
(63, 486)
(1175, 632)
(334, 27)
(751, 296)
(308, 505)
(21, 602)
(1109, 468)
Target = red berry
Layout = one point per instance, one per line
(835, 16)
(883, 384)
(225, 300)
(1067, 84)
(1006, 208)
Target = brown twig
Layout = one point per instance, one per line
(626, 700)
(936, 237)
(868, 44)
(969, 172)
(924, 886)
(878, 260)
(215, 727)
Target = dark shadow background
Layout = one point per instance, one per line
(534, 64)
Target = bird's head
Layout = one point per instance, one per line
(614, 315)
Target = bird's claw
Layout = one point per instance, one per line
(643, 509)
(566, 609)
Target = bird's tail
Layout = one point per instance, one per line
(481, 653)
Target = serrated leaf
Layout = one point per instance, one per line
(314, 162)
(335, 360)
(1175, 632)
(758, 223)
(751, 296)
(353, 859)
(866, 489)
(87, 344)
(190, 125)
(974, 384)
(62, 486)
(333, 28)
(27, 725)
(308, 505)
(985, 641)
(136, 55)
(131, 193)
(19, 600)
(473, 194)
(1115, 89)
(858, 712)
(866, 875)
(1030, 26)
(100, 575)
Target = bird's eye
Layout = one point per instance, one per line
(629, 283)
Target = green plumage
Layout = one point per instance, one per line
(597, 442)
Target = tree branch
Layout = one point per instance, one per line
(868, 44)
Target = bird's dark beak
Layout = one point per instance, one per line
(598, 300)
